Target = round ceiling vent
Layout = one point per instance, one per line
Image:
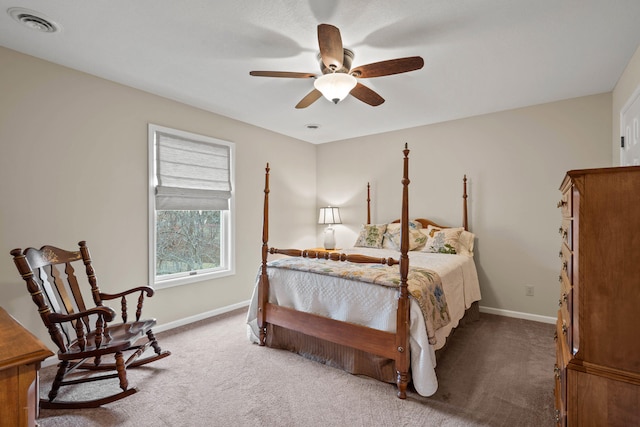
(33, 20)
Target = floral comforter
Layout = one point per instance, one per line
(424, 285)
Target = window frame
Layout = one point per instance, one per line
(227, 217)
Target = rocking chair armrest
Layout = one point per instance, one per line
(106, 312)
(147, 289)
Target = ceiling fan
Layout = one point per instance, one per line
(338, 79)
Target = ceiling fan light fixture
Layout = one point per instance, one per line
(335, 86)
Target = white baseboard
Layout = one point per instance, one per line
(201, 316)
(50, 361)
(518, 315)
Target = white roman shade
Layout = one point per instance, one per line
(192, 175)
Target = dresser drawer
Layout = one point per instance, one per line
(565, 308)
(565, 202)
(566, 261)
(557, 389)
(560, 375)
(565, 232)
(565, 292)
(557, 397)
(565, 326)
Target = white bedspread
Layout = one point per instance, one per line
(375, 306)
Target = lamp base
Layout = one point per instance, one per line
(329, 238)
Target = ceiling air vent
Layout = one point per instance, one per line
(33, 20)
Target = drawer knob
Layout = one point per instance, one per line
(562, 203)
(560, 254)
(565, 266)
(563, 299)
(564, 328)
(556, 371)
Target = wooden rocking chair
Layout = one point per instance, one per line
(84, 335)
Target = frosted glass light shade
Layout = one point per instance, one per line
(335, 86)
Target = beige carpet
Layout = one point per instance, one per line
(497, 371)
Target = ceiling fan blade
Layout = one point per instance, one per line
(311, 97)
(287, 74)
(366, 95)
(330, 43)
(387, 68)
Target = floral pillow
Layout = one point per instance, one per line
(392, 236)
(416, 238)
(442, 240)
(371, 236)
(465, 242)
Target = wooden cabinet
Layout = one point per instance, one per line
(20, 357)
(598, 329)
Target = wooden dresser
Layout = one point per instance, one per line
(20, 357)
(598, 329)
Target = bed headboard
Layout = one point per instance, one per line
(426, 222)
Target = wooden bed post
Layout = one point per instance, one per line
(263, 287)
(368, 203)
(390, 345)
(402, 328)
(465, 222)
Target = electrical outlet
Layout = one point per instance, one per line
(528, 290)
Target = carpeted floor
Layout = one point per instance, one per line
(497, 371)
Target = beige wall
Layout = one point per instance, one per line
(63, 129)
(515, 161)
(74, 167)
(626, 87)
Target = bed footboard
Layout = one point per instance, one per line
(346, 358)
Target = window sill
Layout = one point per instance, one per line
(187, 280)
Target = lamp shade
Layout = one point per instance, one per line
(335, 86)
(329, 215)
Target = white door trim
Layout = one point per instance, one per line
(633, 98)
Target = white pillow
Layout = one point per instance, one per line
(466, 242)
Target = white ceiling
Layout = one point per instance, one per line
(480, 56)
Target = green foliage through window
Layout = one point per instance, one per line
(187, 241)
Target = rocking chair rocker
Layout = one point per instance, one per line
(83, 334)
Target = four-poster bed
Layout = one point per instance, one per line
(302, 303)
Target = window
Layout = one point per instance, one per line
(190, 207)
